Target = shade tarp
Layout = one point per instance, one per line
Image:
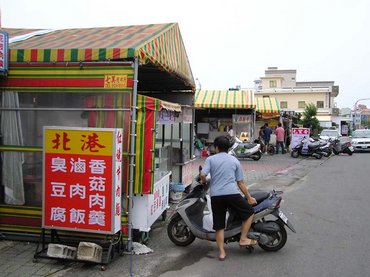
(224, 99)
(267, 105)
(158, 44)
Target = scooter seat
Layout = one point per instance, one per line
(249, 145)
(313, 144)
(260, 195)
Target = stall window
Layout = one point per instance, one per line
(27, 190)
(320, 104)
(162, 151)
(186, 139)
(283, 104)
(301, 104)
(273, 84)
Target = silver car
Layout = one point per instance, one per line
(329, 134)
(361, 140)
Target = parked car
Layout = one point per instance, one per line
(361, 140)
(329, 133)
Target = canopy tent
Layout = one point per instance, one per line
(225, 99)
(160, 49)
(267, 106)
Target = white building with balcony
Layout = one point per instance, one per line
(294, 96)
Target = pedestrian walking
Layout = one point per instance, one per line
(280, 134)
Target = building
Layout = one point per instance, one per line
(293, 96)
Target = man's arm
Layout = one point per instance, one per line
(243, 187)
(203, 178)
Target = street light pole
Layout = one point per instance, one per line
(355, 110)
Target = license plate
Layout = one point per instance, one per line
(363, 146)
(283, 217)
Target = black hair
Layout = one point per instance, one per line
(222, 143)
(279, 124)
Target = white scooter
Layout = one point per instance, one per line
(243, 150)
(192, 219)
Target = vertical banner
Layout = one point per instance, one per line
(82, 181)
(4, 48)
(298, 134)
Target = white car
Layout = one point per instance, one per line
(361, 140)
(329, 133)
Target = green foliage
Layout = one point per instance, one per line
(309, 119)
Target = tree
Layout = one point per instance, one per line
(309, 118)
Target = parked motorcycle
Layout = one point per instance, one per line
(307, 148)
(190, 220)
(342, 147)
(326, 146)
(243, 150)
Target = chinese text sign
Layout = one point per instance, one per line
(82, 179)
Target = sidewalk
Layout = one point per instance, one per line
(17, 257)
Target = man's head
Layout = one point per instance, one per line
(222, 144)
(266, 125)
(279, 124)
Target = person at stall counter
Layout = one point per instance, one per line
(226, 177)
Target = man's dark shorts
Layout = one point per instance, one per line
(236, 202)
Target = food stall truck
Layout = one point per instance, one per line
(94, 78)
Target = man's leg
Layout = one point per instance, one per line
(220, 237)
(277, 147)
(246, 225)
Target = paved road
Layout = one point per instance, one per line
(329, 210)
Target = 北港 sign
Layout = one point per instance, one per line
(82, 179)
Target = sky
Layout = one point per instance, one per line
(231, 43)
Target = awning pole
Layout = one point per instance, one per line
(132, 155)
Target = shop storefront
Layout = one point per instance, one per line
(94, 78)
(268, 111)
(224, 112)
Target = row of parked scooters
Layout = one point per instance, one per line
(308, 147)
(320, 148)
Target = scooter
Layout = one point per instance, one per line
(307, 148)
(192, 219)
(345, 147)
(243, 150)
(325, 146)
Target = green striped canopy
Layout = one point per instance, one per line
(225, 99)
(160, 45)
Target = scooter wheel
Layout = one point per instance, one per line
(178, 232)
(278, 239)
(257, 156)
(294, 154)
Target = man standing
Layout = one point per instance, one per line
(267, 135)
(280, 133)
(226, 176)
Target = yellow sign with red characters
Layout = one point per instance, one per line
(115, 81)
(97, 143)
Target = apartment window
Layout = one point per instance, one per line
(273, 84)
(301, 104)
(283, 104)
(320, 104)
